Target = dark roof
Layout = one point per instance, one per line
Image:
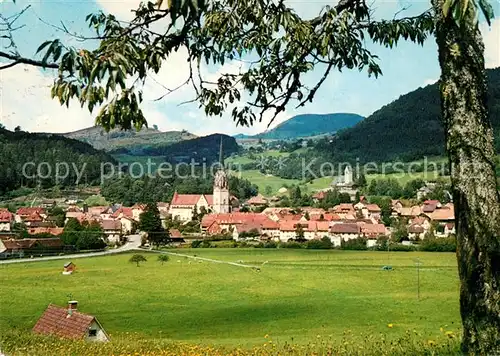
(346, 228)
(60, 322)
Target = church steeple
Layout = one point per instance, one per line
(221, 195)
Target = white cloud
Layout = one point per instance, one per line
(25, 101)
(429, 81)
(491, 37)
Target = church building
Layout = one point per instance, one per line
(182, 205)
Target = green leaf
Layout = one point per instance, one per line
(487, 10)
(43, 45)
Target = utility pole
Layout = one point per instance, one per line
(417, 265)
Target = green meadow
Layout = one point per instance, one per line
(298, 296)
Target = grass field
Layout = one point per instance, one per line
(299, 295)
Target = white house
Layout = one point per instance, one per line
(182, 205)
(6, 220)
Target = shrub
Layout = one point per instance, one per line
(445, 244)
(357, 244)
(268, 244)
(291, 244)
(196, 243)
(324, 244)
(402, 248)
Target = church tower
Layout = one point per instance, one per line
(348, 179)
(221, 187)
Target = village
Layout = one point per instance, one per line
(189, 217)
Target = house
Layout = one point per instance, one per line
(249, 227)
(410, 212)
(344, 231)
(226, 223)
(163, 207)
(416, 231)
(30, 215)
(182, 205)
(288, 229)
(257, 201)
(13, 248)
(70, 323)
(425, 190)
(122, 212)
(69, 268)
(368, 210)
(396, 205)
(128, 225)
(6, 220)
(176, 236)
(449, 229)
(22, 213)
(373, 231)
(137, 210)
(343, 210)
(48, 204)
(112, 229)
(319, 196)
(317, 230)
(443, 215)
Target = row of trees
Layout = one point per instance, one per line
(128, 191)
(44, 153)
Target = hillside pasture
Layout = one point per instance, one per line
(298, 296)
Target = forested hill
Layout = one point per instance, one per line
(408, 128)
(308, 125)
(19, 148)
(201, 149)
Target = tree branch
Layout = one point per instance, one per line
(22, 60)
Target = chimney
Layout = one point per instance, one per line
(72, 305)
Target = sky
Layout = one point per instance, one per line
(25, 91)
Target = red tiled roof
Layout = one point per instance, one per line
(416, 229)
(373, 229)
(5, 216)
(320, 195)
(443, 214)
(248, 226)
(345, 229)
(190, 199)
(288, 225)
(257, 200)
(432, 202)
(30, 211)
(73, 209)
(429, 208)
(373, 208)
(412, 211)
(174, 233)
(29, 243)
(58, 321)
(56, 231)
(344, 207)
(123, 212)
(111, 225)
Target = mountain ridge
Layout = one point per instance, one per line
(307, 125)
(408, 128)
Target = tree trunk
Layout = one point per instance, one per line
(469, 144)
